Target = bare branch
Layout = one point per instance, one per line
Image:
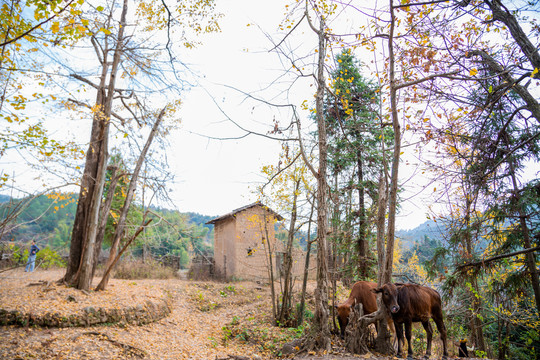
(289, 33)
(495, 258)
(427, 78)
(420, 3)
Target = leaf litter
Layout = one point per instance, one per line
(208, 320)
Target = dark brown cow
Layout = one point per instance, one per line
(410, 303)
(361, 293)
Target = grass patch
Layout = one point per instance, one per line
(136, 269)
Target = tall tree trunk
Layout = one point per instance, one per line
(87, 188)
(337, 232)
(120, 227)
(362, 230)
(80, 265)
(321, 327)
(381, 228)
(300, 315)
(382, 343)
(385, 249)
(286, 301)
(87, 205)
(392, 201)
(104, 216)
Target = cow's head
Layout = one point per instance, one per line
(343, 312)
(389, 293)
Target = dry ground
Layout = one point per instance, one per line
(209, 320)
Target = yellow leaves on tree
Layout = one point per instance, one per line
(193, 18)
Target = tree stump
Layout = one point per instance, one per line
(357, 332)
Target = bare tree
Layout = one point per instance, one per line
(121, 223)
(321, 339)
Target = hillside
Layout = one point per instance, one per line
(433, 230)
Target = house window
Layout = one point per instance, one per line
(250, 251)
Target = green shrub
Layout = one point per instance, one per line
(47, 258)
(308, 314)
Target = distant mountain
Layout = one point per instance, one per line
(4, 198)
(433, 230)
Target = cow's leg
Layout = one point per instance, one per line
(442, 330)
(429, 333)
(408, 333)
(399, 335)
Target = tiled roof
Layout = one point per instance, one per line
(234, 212)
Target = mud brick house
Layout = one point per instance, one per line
(240, 240)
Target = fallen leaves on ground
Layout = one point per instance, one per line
(187, 333)
(209, 320)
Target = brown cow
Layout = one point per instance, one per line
(361, 292)
(410, 303)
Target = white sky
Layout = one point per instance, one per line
(215, 176)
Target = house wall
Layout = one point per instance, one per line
(251, 231)
(224, 247)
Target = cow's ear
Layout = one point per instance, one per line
(377, 290)
(336, 306)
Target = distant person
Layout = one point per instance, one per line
(463, 352)
(31, 257)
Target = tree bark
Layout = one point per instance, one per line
(321, 329)
(300, 315)
(104, 216)
(382, 343)
(88, 186)
(506, 17)
(381, 229)
(286, 301)
(321, 294)
(362, 231)
(271, 270)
